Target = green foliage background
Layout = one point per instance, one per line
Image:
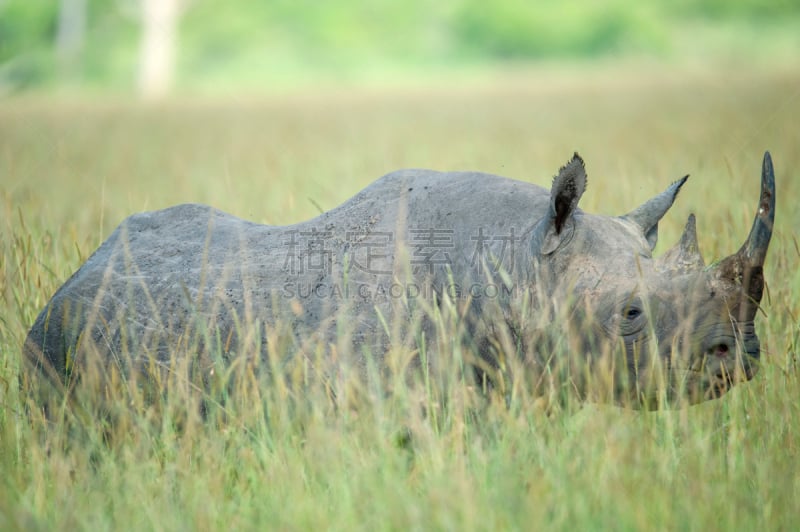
(239, 43)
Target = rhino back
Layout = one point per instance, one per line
(168, 275)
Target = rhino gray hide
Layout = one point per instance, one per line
(530, 278)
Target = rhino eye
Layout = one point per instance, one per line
(632, 317)
(632, 313)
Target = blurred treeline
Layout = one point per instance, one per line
(98, 43)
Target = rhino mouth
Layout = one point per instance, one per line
(722, 380)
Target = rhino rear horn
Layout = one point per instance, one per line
(685, 256)
(558, 226)
(648, 215)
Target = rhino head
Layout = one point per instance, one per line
(669, 323)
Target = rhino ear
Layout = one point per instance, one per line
(648, 215)
(557, 227)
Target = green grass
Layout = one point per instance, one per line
(71, 170)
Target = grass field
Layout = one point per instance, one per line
(71, 170)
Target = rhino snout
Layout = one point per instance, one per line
(730, 359)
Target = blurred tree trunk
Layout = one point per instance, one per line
(70, 33)
(159, 40)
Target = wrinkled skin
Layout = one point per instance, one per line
(515, 261)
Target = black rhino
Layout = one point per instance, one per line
(531, 281)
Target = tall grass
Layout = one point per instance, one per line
(424, 458)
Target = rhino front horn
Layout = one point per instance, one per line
(747, 265)
(755, 248)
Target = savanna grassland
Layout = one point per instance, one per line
(71, 170)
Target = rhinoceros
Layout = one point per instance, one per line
(526, 274)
